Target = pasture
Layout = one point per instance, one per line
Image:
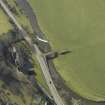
(78, 25)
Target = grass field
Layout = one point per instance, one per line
(4, 24)
(78, 25)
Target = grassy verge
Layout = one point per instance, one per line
(20, 16)
(39, 75)
(78, 26)
(4, 24)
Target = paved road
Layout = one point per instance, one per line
(40, 57)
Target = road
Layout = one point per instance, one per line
(40, 56)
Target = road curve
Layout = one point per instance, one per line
(40, 57)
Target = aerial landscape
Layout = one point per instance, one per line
(52, 52)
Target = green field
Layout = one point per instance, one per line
(78, 25)
(4, 24)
